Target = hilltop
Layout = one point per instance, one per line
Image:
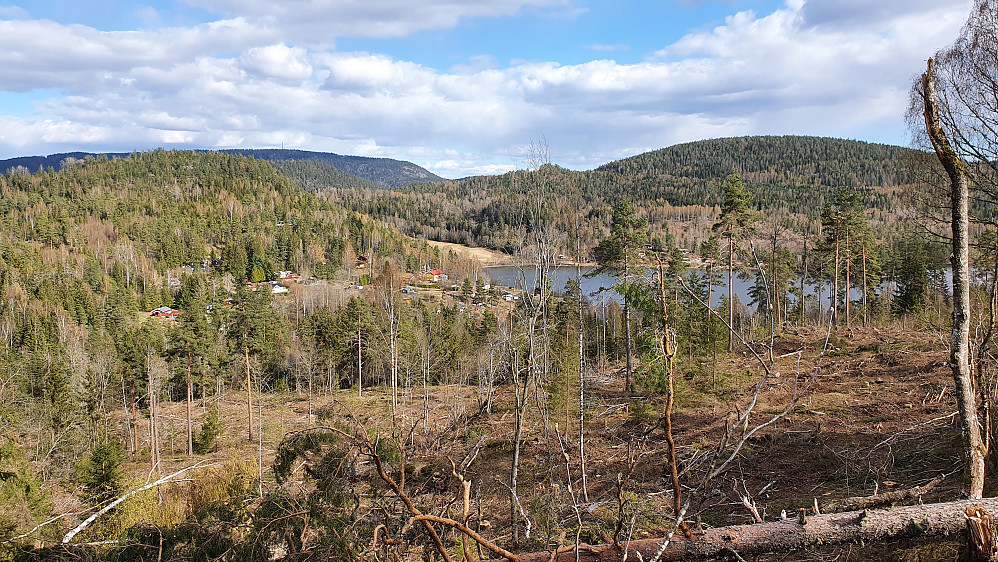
(348, 171)
(677, 188)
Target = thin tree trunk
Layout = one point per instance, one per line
(360, 364)
(670, 353)
(835, 286)
(731, 294)
(135, 420)
(582, 377)
(190, 431)
(774, 299)
(803, 280)
(866, 304)
(960, 260)
(848, 281)
(153, 437)
(627, 333)
(249, 397)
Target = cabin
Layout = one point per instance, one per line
(164, 312)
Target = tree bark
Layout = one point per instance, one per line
(627, 333)
(731, 294)
(190, 430)
(835, 286)
(848, 280)
(960, 260)
(249, 397)
(926, 520)
(866, 304)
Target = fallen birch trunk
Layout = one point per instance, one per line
(785, 535)
(169, 478)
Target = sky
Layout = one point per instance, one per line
(460, 87)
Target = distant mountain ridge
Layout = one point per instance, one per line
(385, 172)
(41, 163)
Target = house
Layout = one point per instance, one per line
(277, 288)
(407, 290)
(434, 275)
(164, 312)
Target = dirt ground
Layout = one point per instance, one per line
(486, 256)
(877, 415)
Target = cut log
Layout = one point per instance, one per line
(780, 536)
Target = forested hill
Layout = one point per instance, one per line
(124, 225)
(672, 186)
(781, 171)
(383, 171)
(315, 176)
(54, 161)
(777, 160)
(310, 169)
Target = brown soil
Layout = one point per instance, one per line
(486, 256)
(879, 415)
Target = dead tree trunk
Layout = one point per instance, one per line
(747, 540)
(249, 397)
(960, 344)
(190, 431)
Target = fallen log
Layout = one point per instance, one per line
(785, 535)
(887, 498)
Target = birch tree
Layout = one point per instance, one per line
(955, 102)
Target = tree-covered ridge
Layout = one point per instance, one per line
(316, 176)
(386, 172)
(777, 160)
(176, 206)
(677, 188)
(55, 161)
(379, 172)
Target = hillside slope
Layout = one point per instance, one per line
(384, 171)
(678, 188)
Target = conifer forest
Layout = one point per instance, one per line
(759, 347)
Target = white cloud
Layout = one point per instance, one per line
(278, 61)
(14, 12)
(800, 69)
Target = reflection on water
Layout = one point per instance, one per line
(600, 286)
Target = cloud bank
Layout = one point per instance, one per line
(268, 74)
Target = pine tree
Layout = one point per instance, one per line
(734, 223)
(618, 255)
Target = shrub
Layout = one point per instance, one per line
(211, 428)
(100, 472)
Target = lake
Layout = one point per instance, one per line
(600, 286)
